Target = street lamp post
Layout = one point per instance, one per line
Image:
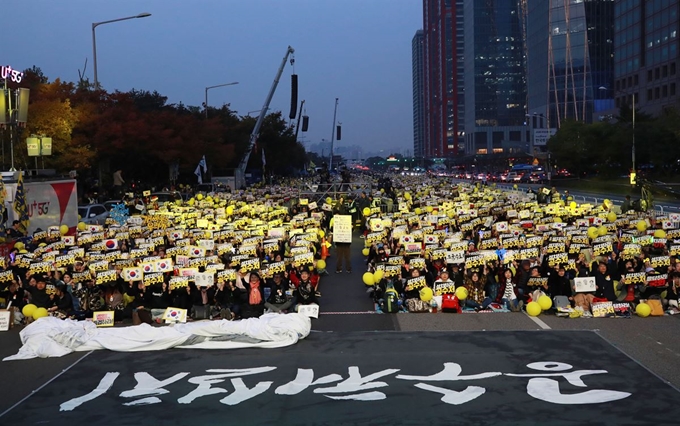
(212, 87)
(94, 40)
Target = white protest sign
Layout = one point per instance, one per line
(311, 310)
(342, 228)
(584, 285)
(204, 279)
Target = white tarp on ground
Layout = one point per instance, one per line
(52, 337)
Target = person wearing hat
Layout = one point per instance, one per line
(281, 295)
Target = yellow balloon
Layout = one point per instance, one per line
(378, 275)
(199, 197)
(557, 219)
(573, 205)
(321, 264)
(426, 294)
(429, 209)
(365, 251)
(368, 278)
(641, 225)
(419, 211)
(331, 222)
(366, 211)
(643, 310)
(407, 196)
(82, 226)
(63, 229)
(659, 233)
(611, 217)
(329, 200)
(461, 293)
(230, 210)
(534, 309)
(28, 310)
(545, 302)
(592, 232)
(40, 313)
(602, 230)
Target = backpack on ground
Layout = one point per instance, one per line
(450, 303)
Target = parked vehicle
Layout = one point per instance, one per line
(93, 214)
(167, 197)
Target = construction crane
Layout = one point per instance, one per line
(240, 173)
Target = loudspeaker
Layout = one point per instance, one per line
(305, 123)
(22, 117)
(293, 96)
(338, 133)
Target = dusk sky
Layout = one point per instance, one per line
(356, 50)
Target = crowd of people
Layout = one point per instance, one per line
(265, 250)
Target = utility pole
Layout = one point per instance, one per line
(335, 113)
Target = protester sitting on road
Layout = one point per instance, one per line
(281, 294)
(226, 300)
(38, 293)
(14, 295)
(305, 292)
(477, 298)
(508, 292)
(90, 298)
(62, 304)
(252, 300)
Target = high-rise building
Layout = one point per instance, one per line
(495, 77)
(417, 57)
(646, 58)
(443, 77)
(570, 59)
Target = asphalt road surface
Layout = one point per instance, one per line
(639, 355)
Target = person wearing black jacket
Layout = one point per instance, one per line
(157, 299)
(15, 295)
(39, 296)
(62, 303)
(200, 298)
(305, 294)
(343, 249)
(226, 298)
(280, 297)
(558, 282)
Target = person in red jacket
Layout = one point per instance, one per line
(296, 276)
